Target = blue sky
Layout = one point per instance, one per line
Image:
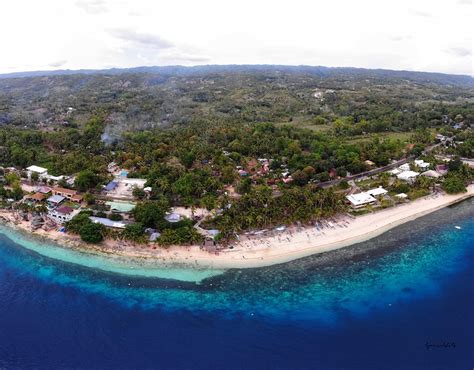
(419, 35)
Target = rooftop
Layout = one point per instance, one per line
(377, 191)
(421, 163)
(44, 190)
(360, 198)
(37, 169)
(396, 171)
(133, 182)
(37, 196)
(55, 199)
(65, 210)
(108, 223)
(431, 173)
(65, 191)
(111, 186)
(121, 206)
(406, 175)
(55, 178)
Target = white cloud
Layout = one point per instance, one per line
(147, 39)
(92, 6)
(459, 51)
(400, 37)
(420, 13)
(57, 64)
(186, 59)
(431, 35)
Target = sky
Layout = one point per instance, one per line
(421, 35)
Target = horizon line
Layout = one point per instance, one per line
(105, 69)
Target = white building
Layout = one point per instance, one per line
(360, 200)
(408, 176)
(108, 223)
(42, 172)
(139, 183)
(377, 192)
(62, 214)
(404, 167)
(54, 178)
(420, 163)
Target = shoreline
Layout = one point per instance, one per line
(252, 252)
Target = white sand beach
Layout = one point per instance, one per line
(255, 251)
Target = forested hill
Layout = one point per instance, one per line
(344, 72)
(151, 97)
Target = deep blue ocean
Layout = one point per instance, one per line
(404, 300)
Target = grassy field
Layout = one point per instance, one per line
(402, 136)
(305, 122)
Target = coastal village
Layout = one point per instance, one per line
(49, 202)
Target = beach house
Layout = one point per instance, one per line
(62, 214)
(360, 200)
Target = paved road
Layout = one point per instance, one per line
(376, 170)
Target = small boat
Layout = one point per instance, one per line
(458, 227)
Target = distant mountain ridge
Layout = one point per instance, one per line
(439, 78)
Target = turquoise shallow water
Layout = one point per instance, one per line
(394, 294)
(106, 263)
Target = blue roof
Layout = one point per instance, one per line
(55, 199)
(111, 185)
